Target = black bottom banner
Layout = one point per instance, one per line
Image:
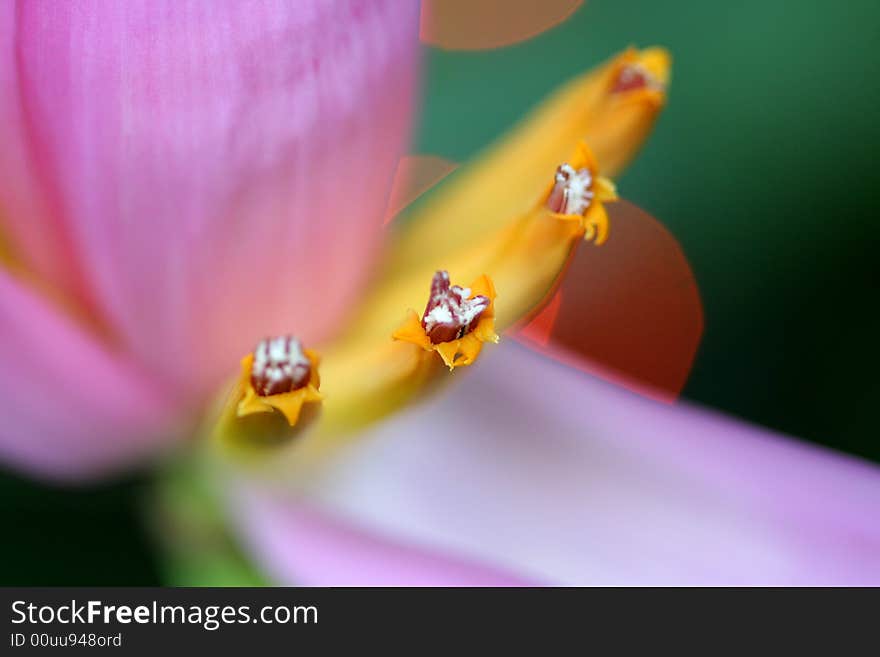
(142, 621)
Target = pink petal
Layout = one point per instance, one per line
(37, 233)
(219, 169)
(299, 546)
(69, 408)
(562, 478)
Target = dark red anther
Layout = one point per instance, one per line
(450, 314)
(556, 200)
(572, 190)
(439, 289)
(632, 78)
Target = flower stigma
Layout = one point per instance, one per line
(279, 375)
(578, 193)
(633, 77)
(456, 322)
(451, 312)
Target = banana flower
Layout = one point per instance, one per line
(194, 263)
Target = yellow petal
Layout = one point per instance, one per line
(485, 331)
(469, 348)
(448, 351)
(658, 62)
(605, 189)
(584, 158)
(596, 224)
(365, 380)
(251, 403)
(483, 286)
(290, 403)
(411, 331)
(248, 434)
(529, 260)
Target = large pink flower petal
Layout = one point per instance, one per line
(563, 478)
(218, 169)
(301, 546)
(37, 234)
(68, 407)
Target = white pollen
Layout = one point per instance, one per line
(438, 315)
(578, 189)
(450, 312)
(277, 350)
(470, 309)
(566, 171)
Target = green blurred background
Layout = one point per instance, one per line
(763, 166)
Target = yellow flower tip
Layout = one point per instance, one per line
(456, 322)
(658, 62)
(642, 75)
(279, 376)
(577, 193)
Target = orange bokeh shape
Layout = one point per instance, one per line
(485, 24)
(415, 175)
(628, 311)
